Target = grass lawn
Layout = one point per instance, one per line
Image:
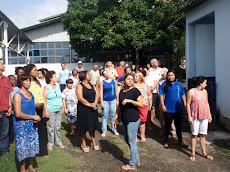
(58, 161)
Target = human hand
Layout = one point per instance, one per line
(117, 103)
(114, 124)
(149, 107)
(94, 105)
(102, 105)
(210, 119)
(190, 120)
(8, 113)
(125, 101)
(164, 109)
(36, 118)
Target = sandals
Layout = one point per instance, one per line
(192, 158)
(127, 168)
(166, 146)
(103, 134)
(50, 149)
(209, 157)
(116, 133)
(62, 147)
(96, 148)
(86, 149)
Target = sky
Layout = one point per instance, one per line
(24, 13)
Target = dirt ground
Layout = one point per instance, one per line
(114, 153)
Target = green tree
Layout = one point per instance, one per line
(128, 23)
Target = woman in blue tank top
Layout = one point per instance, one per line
(109, 101)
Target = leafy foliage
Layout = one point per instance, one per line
(128, 23)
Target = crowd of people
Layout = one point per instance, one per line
(33, 101)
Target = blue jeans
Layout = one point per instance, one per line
(109, 110)
(62, 87)
(4, 133)
(130, 134)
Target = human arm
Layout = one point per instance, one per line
(94, 104)
(64, 109)
(210, 114)
(154, 86)
(117, 93)
(19, 113)
(137, 103)
(45, 110)
(101, 95)
(8, 113)
(188, 103)
(98, 83)
(150, 98)
(116, 116)
(164, 109)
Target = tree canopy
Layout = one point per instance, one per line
(127, 23)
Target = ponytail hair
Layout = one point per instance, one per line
(198, 80)
(28, 69)
(169, 83)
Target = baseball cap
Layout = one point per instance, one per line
(79, 62)
(164, 70)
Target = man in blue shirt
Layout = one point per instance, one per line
(63, 75)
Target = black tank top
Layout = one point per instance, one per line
(88, 94)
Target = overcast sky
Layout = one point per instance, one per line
(26, 13)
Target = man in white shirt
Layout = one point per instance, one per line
(41, 78)
(94, 74)
(154, 74)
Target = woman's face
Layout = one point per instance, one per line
(136, 78)
(74, 72)
(54, 78)
(20, 72)
(88, 78)
(26, 84)
(204, 84)
(33, 72)
(128, 71)
(106, 75)
(171, 76)
(129, 81)
(164, 75)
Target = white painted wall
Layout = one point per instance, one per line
(205, 50)
(222, 49)
(52, 33)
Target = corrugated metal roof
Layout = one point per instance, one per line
(12, 26)
(191, 5)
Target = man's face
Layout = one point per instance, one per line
(80, 65)
(95, 68)
(39, 74)
(20, 72)
(155, 63)
(122, 64)
(12, 80)
(63, 66)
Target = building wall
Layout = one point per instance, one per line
(51, 33)
(222, 57)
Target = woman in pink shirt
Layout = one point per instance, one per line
(199, 115)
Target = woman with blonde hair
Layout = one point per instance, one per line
(147, 102)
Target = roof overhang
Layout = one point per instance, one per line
(191, 5)
(13, 29)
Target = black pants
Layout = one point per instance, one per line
(177, 116)
(42, 132)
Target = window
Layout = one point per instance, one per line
(51, 52)
(51, 59)
(44, 59)
(44, 45)
(58, 44)
(59, 52)
(36, 45)
(58, 59)
(43, 52)
(37, 60)
(65, 45)
(36, 53)
(51, 45)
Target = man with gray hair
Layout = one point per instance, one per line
(111, 71)
(154, 74)
(94, 74)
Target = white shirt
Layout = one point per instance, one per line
(71, 99)
(94, 76)
(154, 75)
(43, 83)
(75, 81)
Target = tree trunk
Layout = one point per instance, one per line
(137, 57)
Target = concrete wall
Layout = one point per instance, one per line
(205, 50)
(52, 33)
(222, 55)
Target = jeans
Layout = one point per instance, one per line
(177, 116)
(62, 87)
(130, 134)
(109, 110)
(4, 133)
(54, 128)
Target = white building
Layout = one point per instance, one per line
(51, 47)
(207, 47)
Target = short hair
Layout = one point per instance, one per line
(17, 69)
(74, 70)
(22, 78)
(127, 68)
(63, 63)
(82, 75)
(152, 60)
(69, 81)
(49, 75)
(11, 76)
(141, 77)
(42, 71)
